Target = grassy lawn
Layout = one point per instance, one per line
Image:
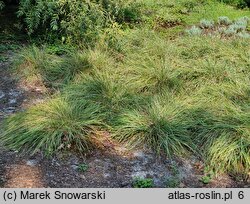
(154, 84)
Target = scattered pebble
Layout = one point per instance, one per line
(139, 154)
(75, 167)
(12, 101)
(9, 110)
(82, 176)
(32, 162)
(2, 94)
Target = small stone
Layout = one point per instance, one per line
(12, 101)
(106, 175)
(125, 184)
(39, 90)
(139, 154)
(10, 110)
(182, 185)
(73, 160)
(82, 176)
(75, 167)
(32, 162)
(14, 93)
(2, 94)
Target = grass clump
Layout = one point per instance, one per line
(51, 126)
(66, 70)
(230, 153)
(168, 100)
(103, 89)
(223, 134)
(154, 75)
(160, 127)
(36, 67)
(30, 65)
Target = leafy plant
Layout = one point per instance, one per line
(238, 3)
(3, 58)
(194, 30)
(77, 20)
(224, 20)
(225, 27)
(231, 31)
(59, 49)
(208, 176)
(143, 183)
(172, 182)
(241, 24)
(206, 24)
(244, 35)
(83, 167)
(205, 179)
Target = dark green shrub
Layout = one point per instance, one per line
(121, 10)
(238, 3)
(74, 20)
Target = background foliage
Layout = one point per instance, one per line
(239, 3)
(75, 20)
